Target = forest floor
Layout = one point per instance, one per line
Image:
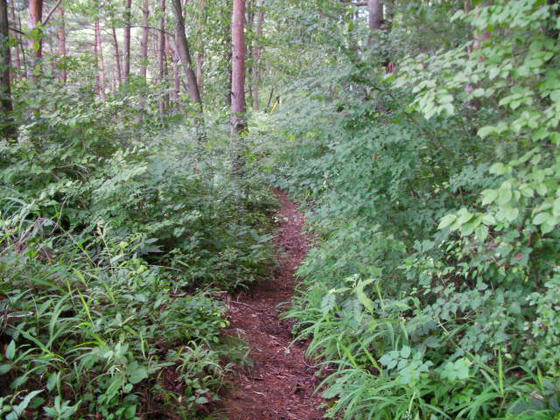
(279, 382)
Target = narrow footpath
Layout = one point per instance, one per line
(280, 382)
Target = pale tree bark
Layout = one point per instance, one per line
(99, 60)
(238, 106)
(162, 59)
(144, 42)
(7, 126)
(257, 70)
(184, 54)
(35, 40)
(127, 15)
(63, 75)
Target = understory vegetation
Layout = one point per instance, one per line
(110, 261)
(433, 291)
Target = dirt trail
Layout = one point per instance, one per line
(280, 383)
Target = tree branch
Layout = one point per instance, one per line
(51, 12)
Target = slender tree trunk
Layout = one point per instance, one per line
(200, 71)
(35, 40)
(375, 19)
(238, 106)
(17, 71)
(164, 101)
(99, 60)
(7, 126)
(257, 57)
(63, 75)
(23, 55)
(228, 59)
(127, 14)
(144, 42)
(117, 54)
(200, 56)
(176, 77)
(249, 48)
(184, 54)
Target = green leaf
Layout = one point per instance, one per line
(11, 350)
(362, 297)
(548, 226)
(463, 216)
(556, 207)
(137, 374)
(510, 213)
(486, 131)
(405, 352)
(446, 221)
(505, 195)
(526, 191)
(540, 218)
(488, 220)
(489, 196)
(497, 169)
(328, 303)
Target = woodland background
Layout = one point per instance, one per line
(140, 143)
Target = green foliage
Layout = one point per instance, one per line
(112, 243)
(435, 193)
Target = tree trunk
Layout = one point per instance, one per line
(238, 107)
(17, 71)
(200, 72)
(185, 55)
(257, 57)
(200, 56)
(7, 126)
(176, 78)
(375, 19)
(35, 40)
(249, 48)
(127, 15)
(24, 60)
(164, 101)
(228, 59)
(99, 60)
(117, 54)
(63, 75)
(144, 42)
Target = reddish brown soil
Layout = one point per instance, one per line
(279, 384)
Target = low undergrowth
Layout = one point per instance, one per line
(112, 247)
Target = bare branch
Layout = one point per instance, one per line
(51, 12)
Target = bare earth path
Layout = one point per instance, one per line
(280, 383)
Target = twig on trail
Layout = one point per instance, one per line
(244, 304)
